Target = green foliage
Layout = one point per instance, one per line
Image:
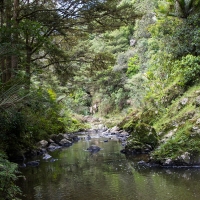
(8, 175)
(179, 37)
(113, 41)
(189, 68)
(123, 59)
(45, 114)
(186, 37)
(133, 67)
(136, 89)
(179, 8)
(42, 113)
(112, 94)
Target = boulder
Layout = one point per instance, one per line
(185, 158)
(142, 141)
(46, 156)
(198, 121)
(73, 138)
(114, 129)
(53, 147)
(88, 137)
(41, 151)
(57, 138)
(102, 127)
(143, 163)
(184, 101)
(168, 162)
(197, 101)
(50, 141)
(42, 144)
(65, 143)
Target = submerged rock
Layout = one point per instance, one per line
(33, 163)
(46, 156)
(88, 137)
(53, 147)
(53, 160)
(143, 163)
(94, 148)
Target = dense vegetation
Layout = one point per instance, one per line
(133, 59)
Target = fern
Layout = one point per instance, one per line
(8, 175)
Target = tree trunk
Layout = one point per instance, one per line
(2, 59)
(8, 38)
(15, 38)
(28, 66)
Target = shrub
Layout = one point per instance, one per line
(189, 67)
(8, 175)
(133, 66)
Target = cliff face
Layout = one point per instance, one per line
(168, 129)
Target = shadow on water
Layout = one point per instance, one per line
(106, 174)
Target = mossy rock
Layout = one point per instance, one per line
(57, 138)
(129, 126)
(143, 139)
(134, 144)
(146, 134)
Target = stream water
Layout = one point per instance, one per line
(80, 175)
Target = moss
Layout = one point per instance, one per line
(134, 144)
(146, 134)
(142, 134)
(130, 121)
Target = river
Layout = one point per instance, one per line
(80, 175)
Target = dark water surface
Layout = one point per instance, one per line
(108, 174)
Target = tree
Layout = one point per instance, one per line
(37, 30)
(180, 8)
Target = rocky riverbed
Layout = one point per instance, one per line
(65, 140)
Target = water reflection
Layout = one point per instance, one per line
(108, 174)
